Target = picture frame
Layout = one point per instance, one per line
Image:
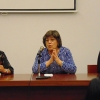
(37, 6)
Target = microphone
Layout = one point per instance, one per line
(39, 55)
(40, 50)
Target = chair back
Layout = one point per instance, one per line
(92, 69)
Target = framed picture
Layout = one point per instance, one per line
(37, 5)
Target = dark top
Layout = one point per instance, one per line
(4, 61)
(93, 92)
(98, 63)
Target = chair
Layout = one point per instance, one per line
(92, 69)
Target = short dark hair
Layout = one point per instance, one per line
(55, 34)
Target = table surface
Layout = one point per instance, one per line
(56, 80)
(64, 80)
(15, 80)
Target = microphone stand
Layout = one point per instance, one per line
(39, 55)
(39, 75)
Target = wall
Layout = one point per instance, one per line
(21, 35)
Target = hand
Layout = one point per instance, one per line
(2, 69)
(54, 54)
(49, 61)
(56, 58)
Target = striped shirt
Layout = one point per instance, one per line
(64, 54)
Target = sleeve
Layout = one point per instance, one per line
(6, 63)
(42, 65)
(68, 63)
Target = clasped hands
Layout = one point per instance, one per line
(54, 57)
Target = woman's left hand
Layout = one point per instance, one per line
(56, 58)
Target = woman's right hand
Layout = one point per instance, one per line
(2, 69)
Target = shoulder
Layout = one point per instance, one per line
(1, 52)
(63, 49)
(45, 51)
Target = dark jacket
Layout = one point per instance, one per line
(4, 61)
(98, 63)
(93, 92)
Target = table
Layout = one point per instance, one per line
(14, 87)
(61, 87)
(58, 87)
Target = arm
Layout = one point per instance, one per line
(6, 68)
(45, 61)
(68, 64)
(35, 65)
(65, 60)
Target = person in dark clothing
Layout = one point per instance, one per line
(5, 67)
(93, 92)
(98, 63)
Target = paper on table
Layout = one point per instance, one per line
(51, 75)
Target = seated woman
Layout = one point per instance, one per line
(55, 58)
(5, 67)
